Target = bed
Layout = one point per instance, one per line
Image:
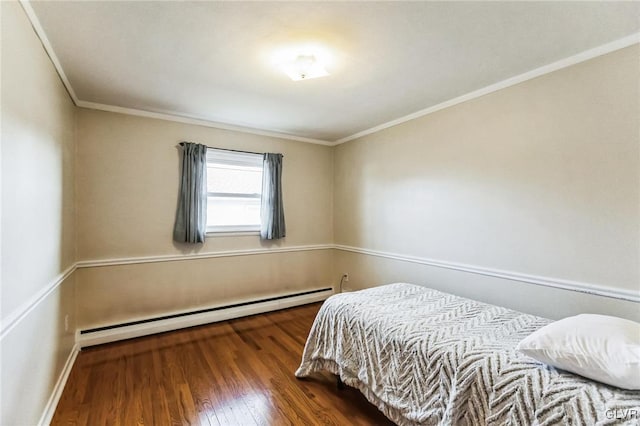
(425, 357)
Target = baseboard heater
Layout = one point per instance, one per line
(160, 324)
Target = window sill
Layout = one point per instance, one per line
(231, 233)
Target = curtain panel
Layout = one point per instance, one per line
(191, 214)
(272, 211)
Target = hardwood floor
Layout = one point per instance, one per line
(237, 372)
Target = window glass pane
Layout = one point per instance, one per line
(235, 174)
(233, 211)
(234, 179)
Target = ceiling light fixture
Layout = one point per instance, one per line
(304, 67)
(303, 61)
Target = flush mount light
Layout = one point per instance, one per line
(304, 67)
(303, 61)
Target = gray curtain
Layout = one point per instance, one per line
(272, 212)
(191, 216)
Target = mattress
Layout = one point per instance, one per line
(425, 357)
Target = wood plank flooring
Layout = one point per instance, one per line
(237, 372)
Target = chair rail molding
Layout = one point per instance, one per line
(582, 287)
(195, 256)
(29, 305)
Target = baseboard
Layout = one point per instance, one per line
(50, 408)
(116, 332)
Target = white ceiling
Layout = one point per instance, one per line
(210, 60)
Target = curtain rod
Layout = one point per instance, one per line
(233, 150)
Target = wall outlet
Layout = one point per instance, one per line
(66, 322)
(346, 277)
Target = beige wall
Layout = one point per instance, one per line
(549, 302)
(38, 239)
(542, 178)
(127, 186)
(33, 356)
(116, 294)
(37, 164)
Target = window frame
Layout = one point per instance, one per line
(234, 158)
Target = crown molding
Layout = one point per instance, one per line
(37, 27)
(167, 116)
(180, 118)
(512, 81)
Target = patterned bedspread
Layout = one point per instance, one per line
(424, 357)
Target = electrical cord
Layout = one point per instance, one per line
(341, 281)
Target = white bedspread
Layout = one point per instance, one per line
(430, 358)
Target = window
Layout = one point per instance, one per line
(234, 188)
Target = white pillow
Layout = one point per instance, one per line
(602, 348)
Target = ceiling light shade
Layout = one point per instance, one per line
(304, 67)
(302, 60)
